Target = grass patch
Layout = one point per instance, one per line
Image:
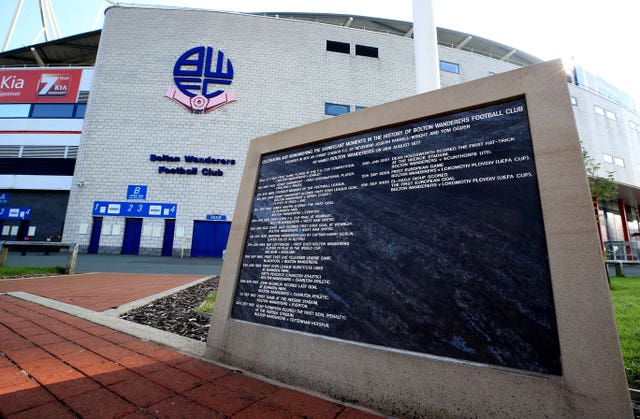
(625, 295)
(11, 271)
(208, 303)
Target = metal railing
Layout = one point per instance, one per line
(622, 251)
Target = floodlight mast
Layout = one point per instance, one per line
(425, 44)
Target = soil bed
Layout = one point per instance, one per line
(176, 313)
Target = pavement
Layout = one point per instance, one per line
(64, 352)
(122, 263)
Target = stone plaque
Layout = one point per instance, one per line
(431, 257)
(425, 237)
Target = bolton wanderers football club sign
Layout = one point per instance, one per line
(199, 74)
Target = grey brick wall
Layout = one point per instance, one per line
(283, 75)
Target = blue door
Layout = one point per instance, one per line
(209, 238)
(222, 236)
(131, 241)
(167, 241)
(94, 244)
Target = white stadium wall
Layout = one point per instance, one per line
(283, 77)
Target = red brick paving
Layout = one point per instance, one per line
(49, 410)
(56, 365)
(98, 291)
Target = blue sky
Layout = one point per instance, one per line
(599, 35)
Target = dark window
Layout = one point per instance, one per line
(449, 67)
(367, 51)
(52, 110)
(359, 108)
(336, 46)
(42, 167)
(335, 109)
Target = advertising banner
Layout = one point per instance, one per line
(40, 85)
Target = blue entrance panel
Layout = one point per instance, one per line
(131, 241)
(209, 238)
(15, 213)
(134, 209)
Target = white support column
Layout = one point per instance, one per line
(53, 20)
(43, 18)
(425, 41)
(35, 38)
(99, 12)
(13, 25)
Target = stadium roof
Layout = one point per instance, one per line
(446, 37)
(81, 50)
(77, 50)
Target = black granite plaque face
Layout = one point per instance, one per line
(426, 237)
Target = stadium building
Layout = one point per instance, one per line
(132, 139)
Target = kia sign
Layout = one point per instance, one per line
(39, 86)
(54, 85)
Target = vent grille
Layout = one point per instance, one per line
(9, 151)
(83, 96)
(49, 152)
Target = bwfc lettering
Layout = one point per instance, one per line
(197, 81)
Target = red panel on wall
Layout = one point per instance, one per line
(39, 85)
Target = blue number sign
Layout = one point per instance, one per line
(8, 213)
(137, 192)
